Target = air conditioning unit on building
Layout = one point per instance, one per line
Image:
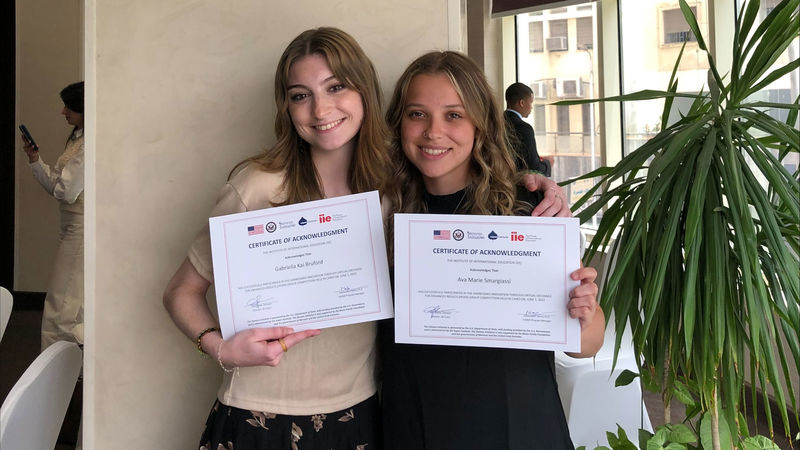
(556, 44)
(539, 89)
(569, 87)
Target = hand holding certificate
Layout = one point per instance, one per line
(487, 281)
(309, 265)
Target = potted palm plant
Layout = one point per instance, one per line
(702, 221)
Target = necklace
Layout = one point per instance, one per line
(463, 194)
(443, 204)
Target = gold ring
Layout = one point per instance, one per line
(283, 345)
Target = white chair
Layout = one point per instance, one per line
(592, 404)
(33, 411)
(6, 304)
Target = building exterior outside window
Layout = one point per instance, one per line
(558, 54)
(652, 35)
(564, 69)
(676, 30)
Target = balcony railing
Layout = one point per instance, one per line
(678, 37)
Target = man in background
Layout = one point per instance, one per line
(519, 101)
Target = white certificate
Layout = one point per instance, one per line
(486, 281)
(309, 265)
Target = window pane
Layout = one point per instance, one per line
(558, 28)
(585, 34)
(566, 68)
(539, 119)
(676, 29)
(652, 33)
(783, 90)
(536, 36)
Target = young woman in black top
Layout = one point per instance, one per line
(450, 157)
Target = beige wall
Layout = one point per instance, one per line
(49, 56)
(182, 92)
(485, 44)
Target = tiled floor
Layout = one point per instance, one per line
(20, 345)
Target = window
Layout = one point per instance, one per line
(564, 134)
(536, 36)
(563, 120)
(557, 42)
(586, 115)
(785, 89)
(647, 63)
(539, 119)
(558, 28)
(676, 30)
(779, 96)
(651, 33)
(585, 33)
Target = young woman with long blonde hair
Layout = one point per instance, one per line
(450, 156)
(291, 390)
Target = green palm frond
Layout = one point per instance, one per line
(704, 221)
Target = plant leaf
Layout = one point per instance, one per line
(681, 434)
(682, 394)
(759, 443)
(705, 432)
(625, 378)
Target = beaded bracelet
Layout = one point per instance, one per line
(200, 336)
(219, 358)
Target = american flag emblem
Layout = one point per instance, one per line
(441, 235)
(255, 229)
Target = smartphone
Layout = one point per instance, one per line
(27, 135)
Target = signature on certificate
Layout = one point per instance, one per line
(258, 303)
(437, 311)
(350, 290)
(537, 314)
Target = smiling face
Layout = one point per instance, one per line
(326, 113)
(437, 135)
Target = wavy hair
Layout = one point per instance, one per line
(351, 66)
(493, 176)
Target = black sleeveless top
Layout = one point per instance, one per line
(461, 398)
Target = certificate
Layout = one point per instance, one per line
(486, 281)
(309, 265)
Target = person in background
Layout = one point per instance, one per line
(449, 151)
(519, 101)
(62, 318)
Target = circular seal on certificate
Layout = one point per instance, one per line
(458, 235)
(271, 227)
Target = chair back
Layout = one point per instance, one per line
(6, 303)
(32, 413)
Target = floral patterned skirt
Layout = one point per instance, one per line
(354, 428)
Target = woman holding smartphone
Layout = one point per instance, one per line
(62, 319)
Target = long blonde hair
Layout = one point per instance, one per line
(350, 65)
(493, 177)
